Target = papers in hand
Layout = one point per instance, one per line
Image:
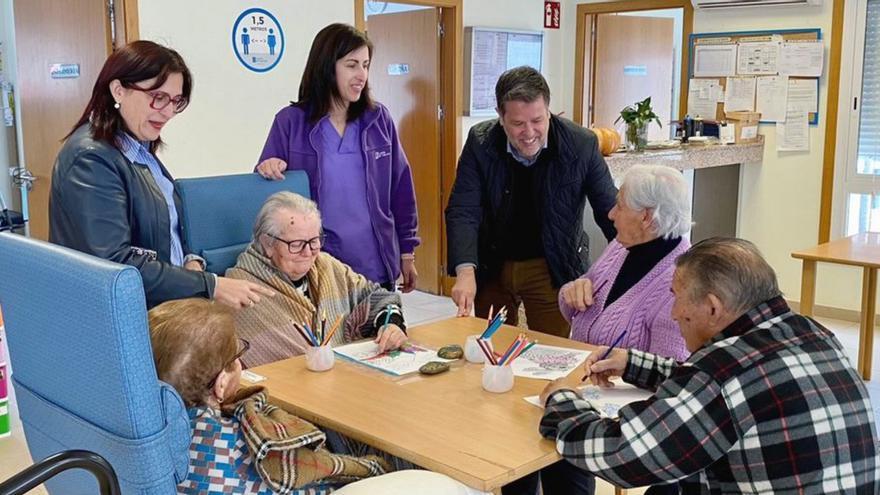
(607, 401)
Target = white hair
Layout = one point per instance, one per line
(664, 191)
(283, 200)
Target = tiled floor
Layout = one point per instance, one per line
(424, 308)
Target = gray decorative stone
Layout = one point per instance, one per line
(433, 368)
(452, 351)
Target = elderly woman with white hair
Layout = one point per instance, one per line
(628, 288)
(285, 255)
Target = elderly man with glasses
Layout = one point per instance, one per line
(311, 287)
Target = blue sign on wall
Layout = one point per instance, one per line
(257, 40)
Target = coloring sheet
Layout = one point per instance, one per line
(607, 400)
(546, 362)
(407, 359)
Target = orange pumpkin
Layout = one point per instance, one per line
(609, 139)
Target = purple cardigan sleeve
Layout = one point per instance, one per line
(279, 136)
(666, 339)
(403, 196)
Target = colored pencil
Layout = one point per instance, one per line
(302, 329)
(608, 351)
(491, 307)
(311, 334)
(522, 350)
(484, 346)
(332, 331)
(387, 316)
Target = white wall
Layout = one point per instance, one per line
(225, 126)
(780, 199)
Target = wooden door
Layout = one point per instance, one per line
(634, 59)
(405, 77)
(46, 34)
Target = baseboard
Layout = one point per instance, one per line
(831, 312)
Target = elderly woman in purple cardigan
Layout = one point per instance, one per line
(348, 146)
(628, 288)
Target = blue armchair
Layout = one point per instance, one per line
(219, 212)
(83, 368)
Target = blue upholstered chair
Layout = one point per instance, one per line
(83, 368)
(219, 212)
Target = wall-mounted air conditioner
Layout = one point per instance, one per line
(724, 4)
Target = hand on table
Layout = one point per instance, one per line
(464, 290)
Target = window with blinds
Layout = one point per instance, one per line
(869, 121)
(862, 183)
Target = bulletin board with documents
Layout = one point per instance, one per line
(774, 73)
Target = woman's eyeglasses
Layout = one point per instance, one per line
(243, 346)
(297, 246)
(162, 99)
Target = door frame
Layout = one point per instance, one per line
(580, 40)
(451, 99)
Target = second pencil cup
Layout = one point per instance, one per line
(497, 379)
(472, 351)
(319, 358)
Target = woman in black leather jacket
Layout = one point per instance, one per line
(111, 196)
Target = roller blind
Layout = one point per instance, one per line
(869, 123)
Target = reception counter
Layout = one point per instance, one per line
(689, 157)
(713, 172)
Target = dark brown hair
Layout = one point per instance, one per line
(522, 83)
(131, 64)
(317, 89)
(192, 340)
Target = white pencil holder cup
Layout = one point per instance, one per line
(319, 358)
(472, 351)
(497, 379)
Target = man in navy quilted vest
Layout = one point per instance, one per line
(514, 219)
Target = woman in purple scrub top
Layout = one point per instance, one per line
(348, 146)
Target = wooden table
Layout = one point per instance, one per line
(446, 423)
(862, 250)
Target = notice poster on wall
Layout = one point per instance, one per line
(257, 39)
(488, 53)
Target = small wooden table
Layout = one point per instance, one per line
(861, 250)
(446, 423)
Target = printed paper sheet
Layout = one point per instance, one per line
(608, 401)
(408, 359)
(546, 362)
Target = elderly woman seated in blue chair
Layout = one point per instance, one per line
(240, 442)
(625, 300)
(311, 287)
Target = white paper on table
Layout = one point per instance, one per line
(607, 401)
(546, 362)
(758, 58)
(771, 97)
(794, 133)
(408, 359)
(740, 94)
(715, 60)
(802, 58)
(703, 98)
(803, 95)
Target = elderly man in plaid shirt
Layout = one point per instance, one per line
(767, 403)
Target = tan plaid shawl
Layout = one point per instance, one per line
(335, 290)
(288, 451)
